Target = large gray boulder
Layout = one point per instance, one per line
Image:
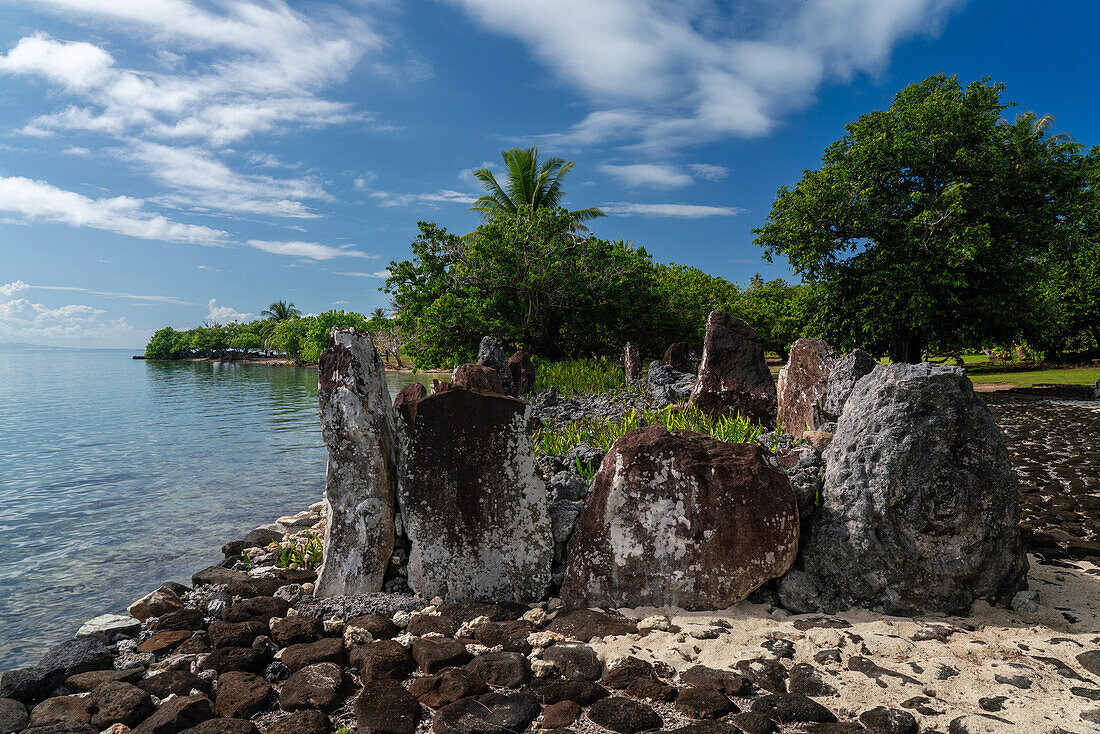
(803, 382)
(490, 355)
(358, 428)
(475, 508)
(733, 375)
(843, 376)
(919, 505)
(679, 518)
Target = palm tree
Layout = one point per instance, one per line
(378, 313)
(529, 183)
(280, 311)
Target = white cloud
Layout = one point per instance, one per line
(378, 274)
(79, 325)
(709, 171)
(201, 180)
(648, 174)
(268, 160)
(679, 211)
(365, 180)
(75, 66)
(311, 250)
(443, 196)
(6, 290)
(224, 314)
(662, 75)
(10, 289)
(41, 201)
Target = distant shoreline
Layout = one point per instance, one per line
(280, 361)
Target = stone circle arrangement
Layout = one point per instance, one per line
(470, 586)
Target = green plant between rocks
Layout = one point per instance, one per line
(601, 433)
(303, 552)
(580, 376)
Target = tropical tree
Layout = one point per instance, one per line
(280, 311)
(532, 184)
(926, 221)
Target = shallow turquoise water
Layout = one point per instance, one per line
(118, 474)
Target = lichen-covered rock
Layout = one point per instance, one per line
(667, 385)
(681, 357)
(490, 355)
(523, 373)
(474, 506)
(681, 519)
(733, 375)
(803, 382)
(358, 429)
(477, 377)
(845, 373)
(919, 506)
(632, 363)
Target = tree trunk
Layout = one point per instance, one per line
(908, 349)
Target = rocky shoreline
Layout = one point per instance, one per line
(869, 621)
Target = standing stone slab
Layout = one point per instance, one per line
(477, 376)
(358, 429)
(733, 376)
(632, 363)
(523, 373)
(490, 355)
(681, 357)
(679, 518)
(845, 373)
(803, 382)
(919, 506)
(475, 509)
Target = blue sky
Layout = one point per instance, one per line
(169, 161)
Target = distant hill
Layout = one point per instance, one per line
(25, 345)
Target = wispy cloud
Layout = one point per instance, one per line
(709, 171)
(648, 174)
(678, 211)
(41, 201)
(310, 250)
(20, 286)
(26, 321)
(378, 274)
(665, 75)
(443, 196)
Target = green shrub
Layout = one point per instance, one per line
(579, 376)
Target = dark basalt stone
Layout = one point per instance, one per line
(478, 377)
(385, 707)
(177, 715)
(382, 659)
(585, 624)
(733, 376)
(78, 655)
(175, 682)
(319, 686)
(523, 373)
(623, 715)
(681, 357)
(120, 702)
(307, 721)
(792, 708)
(328, 650)
(240, 695)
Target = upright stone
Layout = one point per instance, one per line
(846, 372)
(1096, 391)
(679, 518)
(919, 507)
(632, 363)
(474, 506)
(410, 394)
(478, 377)
(523, 373)
(803, 382)
(358, 429)
(681, 357)
(733, 376)
(490, 355)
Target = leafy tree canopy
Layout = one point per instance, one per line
(924, 222)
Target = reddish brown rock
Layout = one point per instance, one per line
(120, 703)
(478, 377)
(62, 710)
(240, 695)
(632, 363)
(317, 686)
(681, 519)
(359, 432)
(803, 383)
(681, 357)
(382, 659)
(410, 394)
(733, 375)
(295, 630)
(177, 715)
(163, 642)
(328, 650)
(523, 373)
(479, 529)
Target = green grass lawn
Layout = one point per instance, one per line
(1020, 378)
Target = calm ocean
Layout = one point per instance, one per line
(118, 474)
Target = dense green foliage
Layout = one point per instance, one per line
(925, 222)
(580, 376)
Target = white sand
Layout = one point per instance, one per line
(989, 642)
